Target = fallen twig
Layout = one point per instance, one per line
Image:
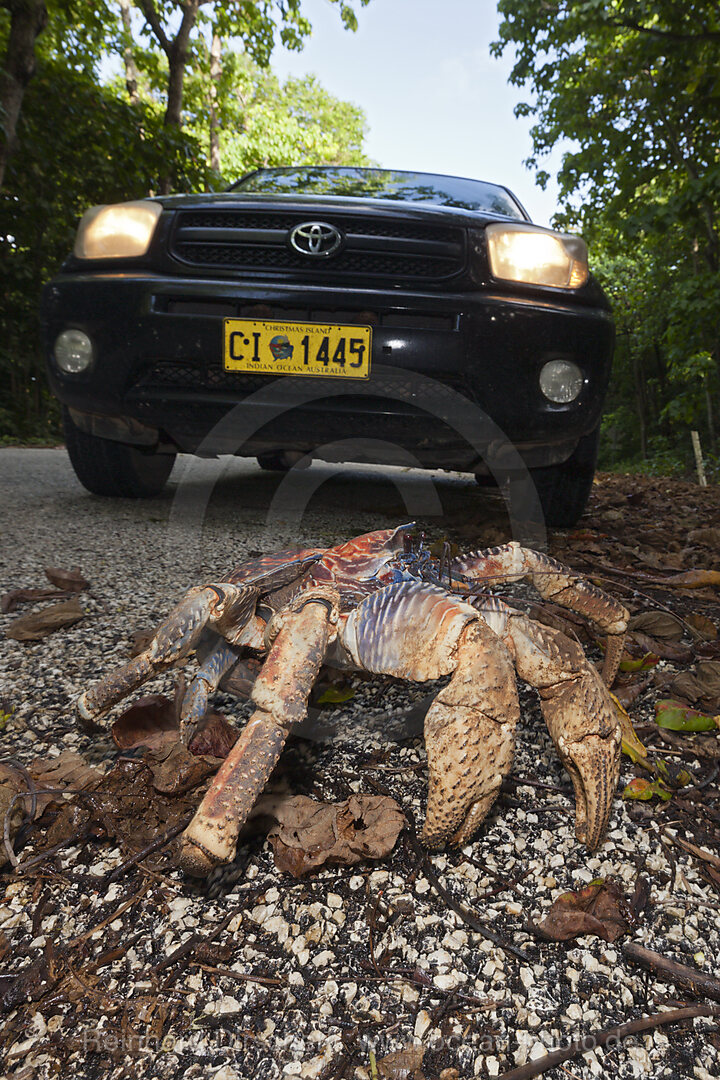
(156, 844)
(700, 853)
(697, 982)
(110, 918)
(241, 976)
(465, 914)
(612, 1035)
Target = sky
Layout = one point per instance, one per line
(434, 97)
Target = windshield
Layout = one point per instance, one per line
(382, 184)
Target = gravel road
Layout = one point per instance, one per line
(348, 963)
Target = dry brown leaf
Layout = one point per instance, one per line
(69, 771)
(691, 579)
(214, 738)
(309, 834)
(69, 580)
(12, 600)
(600, 909)
(181, 771)
(51, 777)
(702, 684)
(630, 691)
(139, 641)
(710, 537)
(658, 624)
(638, 645)
(150, 721)
(12, 785)
(38, 624)
(704, 627)
(403, 1064)
(127, 805)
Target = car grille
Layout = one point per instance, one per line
(373, 247)
(168, 375)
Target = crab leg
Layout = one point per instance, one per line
(555, 582)
(206, 681)
(470, 738)
(175, 637)
(280, 695)
(417, 631)
(577, 707)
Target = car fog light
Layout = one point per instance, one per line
(561, 381)
(73, 351)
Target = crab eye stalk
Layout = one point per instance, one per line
(123, 230)
(535, 256)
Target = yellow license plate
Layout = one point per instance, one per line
(290, 348)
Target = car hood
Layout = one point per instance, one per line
(315, 205)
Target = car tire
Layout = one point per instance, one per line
(564, 489)
(110, 468)
(273, 461)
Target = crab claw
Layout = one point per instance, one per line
(580, 716)
(594, 766)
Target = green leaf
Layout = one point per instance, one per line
(336, 695)
(649, 660)
(643, 789)
(674, 716)
(631, 745)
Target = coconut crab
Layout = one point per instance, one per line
(379, 603)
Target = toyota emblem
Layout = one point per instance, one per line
(316, 238)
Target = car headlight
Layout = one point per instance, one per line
(116, 232)
(536, 256)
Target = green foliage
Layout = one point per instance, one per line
(265, 123)
(79, 146)
(630, 89)
(256, 25)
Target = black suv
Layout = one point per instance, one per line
(349, 314)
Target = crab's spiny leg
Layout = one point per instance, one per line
(470, 738)
(206, 681)
(555, 582)
(578, 711)
(280, 695)
(219, 604)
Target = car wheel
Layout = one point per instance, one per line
(564, 489)
(273, 461)
(111, 468)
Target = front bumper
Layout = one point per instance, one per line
(452, 376)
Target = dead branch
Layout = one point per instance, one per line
(687, 978)
(608, 1035)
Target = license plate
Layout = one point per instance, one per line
(291, 348)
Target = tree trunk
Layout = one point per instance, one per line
(176, 50)
(215, 74)
(640, 400)
(710, 417)
(27, 20)
(177, 61)
(131, 71)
